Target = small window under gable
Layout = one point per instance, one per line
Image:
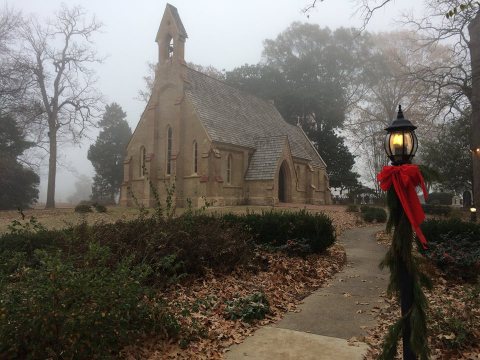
(169, 150)
(195, 157)
(143, 159)
(229, 169)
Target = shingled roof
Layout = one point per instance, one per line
(235, 117)
(263, 163)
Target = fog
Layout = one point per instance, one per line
(221, 33)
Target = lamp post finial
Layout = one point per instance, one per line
(400, 112)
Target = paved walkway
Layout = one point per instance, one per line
(331, 315)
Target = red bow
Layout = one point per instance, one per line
(405, 179)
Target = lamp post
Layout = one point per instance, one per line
(400, 145)
(473, 214)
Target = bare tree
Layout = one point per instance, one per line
(387, 84)
(145, 93)
(458, 23)
(13, 79)
(452, 80)
(59, 55)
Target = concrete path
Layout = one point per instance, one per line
(330, 316)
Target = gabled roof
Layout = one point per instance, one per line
(176, 18)
(235, 117)
(264, 161)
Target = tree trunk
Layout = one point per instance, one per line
(474, 45)
(52, 168)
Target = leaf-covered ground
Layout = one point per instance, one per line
(200, 305)
(453, 315)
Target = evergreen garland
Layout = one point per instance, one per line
(398, 258)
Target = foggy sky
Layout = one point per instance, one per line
(222, 33)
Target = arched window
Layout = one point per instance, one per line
(195, 157)
(170, 48)
(229, 169)
(169, 150)
(143, 158)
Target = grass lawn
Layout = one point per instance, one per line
(63, 217)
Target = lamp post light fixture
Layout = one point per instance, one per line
(401, 142)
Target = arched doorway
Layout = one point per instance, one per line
(284, 183)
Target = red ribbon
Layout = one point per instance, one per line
(405, 179)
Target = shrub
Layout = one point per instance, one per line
(371, 214)
(453, 246)
(352, 208)
(440, 198)
(275, 228)
(77, 308)
(297, 247)
(248, 308)
(437, 209)
(175, 247)
(433, 229)
(100, 208)
(456, 255)
(364, 208)
(381, 215)
(172, 248)
(83, 208)
(26, 243)
(105, 201)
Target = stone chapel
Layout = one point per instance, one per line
(215, 142)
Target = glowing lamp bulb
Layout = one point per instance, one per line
(397, 140)
(397, 143)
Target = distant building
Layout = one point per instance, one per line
(215, 142)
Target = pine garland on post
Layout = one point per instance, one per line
(406, 281)
(406, 215)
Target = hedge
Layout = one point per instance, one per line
(454, 247)
(276, 228)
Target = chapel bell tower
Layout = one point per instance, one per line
(171, 37)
